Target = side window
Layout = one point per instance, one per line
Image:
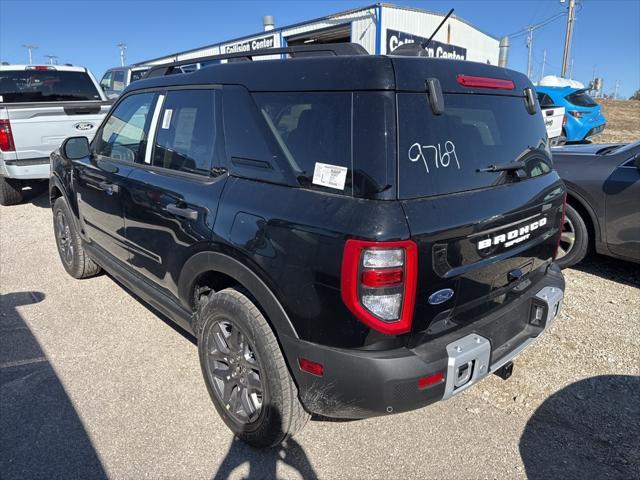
(545, 100)
(118, 80)
(311, 128)
(105, 83)
(123, 136)
(186, 134)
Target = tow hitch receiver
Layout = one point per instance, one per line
(505, 371)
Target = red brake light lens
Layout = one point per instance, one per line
(378, 283)
(40, 67)
(6, 137)
(486, 82)
(431, 380)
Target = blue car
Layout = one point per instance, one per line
(583, 117)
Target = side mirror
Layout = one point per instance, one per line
(75, 148)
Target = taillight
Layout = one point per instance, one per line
(564, 120)
(378, 283)
(6, 137)
(39, 67)
(575, 114)
(485, 82)
(564, 209)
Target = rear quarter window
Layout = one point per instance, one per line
(441, 154)
(311, 128)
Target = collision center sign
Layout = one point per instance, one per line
(249, 45)
(435, 49)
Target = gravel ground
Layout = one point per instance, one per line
(94, 384)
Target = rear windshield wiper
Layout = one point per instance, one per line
(516, 167)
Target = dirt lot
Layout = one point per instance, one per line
(94, 384)
(623, 121)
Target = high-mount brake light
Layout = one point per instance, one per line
(39, 67)
(6, 137)
(564, 210)
(378, 283)
(486, 82)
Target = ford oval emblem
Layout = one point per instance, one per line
(84, 126)
(440, 296)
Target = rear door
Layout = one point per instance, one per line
(100, 178)
(483, 234)
(46, 105)
(173, 193)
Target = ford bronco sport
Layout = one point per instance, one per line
(346, 235)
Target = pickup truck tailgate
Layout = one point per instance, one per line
(553, 119)
(38, 129)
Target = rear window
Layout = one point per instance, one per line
(46, 86)
(440, 154)
(137, 75)
(581, 99)
(544, 100)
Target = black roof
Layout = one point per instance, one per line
(342, 73)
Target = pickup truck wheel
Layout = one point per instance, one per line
(574, 239)
(74, 259)
(245, 372)
(10, 191)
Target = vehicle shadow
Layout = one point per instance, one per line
(36, 193)
(589, 429)
(612, 269)
(41, 434)
(263, 463)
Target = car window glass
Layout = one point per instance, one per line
(137, 75)
(544, 100)
(48, 85)
(106, 80)
(186, 134)
(311, 128)
(123, 136)
(118, 80)
(581, 99)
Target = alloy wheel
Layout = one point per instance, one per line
(63, 234)
(234, 371)
(567, 238)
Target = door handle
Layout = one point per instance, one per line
(188, 213)
(108, 188)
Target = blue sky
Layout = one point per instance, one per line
(85, 32)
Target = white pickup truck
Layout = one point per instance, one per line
(40, 106)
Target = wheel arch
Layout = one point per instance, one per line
(586, 212)
(217, 269)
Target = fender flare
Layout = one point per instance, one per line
(219, 262)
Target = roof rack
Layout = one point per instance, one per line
(335, 49)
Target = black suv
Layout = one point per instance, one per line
(346, 235)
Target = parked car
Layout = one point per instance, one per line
(116, 79)
(554, 121)
(584, 118)
(330, 228)
(41, 105)
(603, 201)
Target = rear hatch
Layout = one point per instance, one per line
(485, 235)
(45, 105)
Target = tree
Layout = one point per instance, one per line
(635, 96)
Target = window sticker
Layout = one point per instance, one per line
(166, 120)
(332, 176)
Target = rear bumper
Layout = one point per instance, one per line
(360, 383)
(25, 169)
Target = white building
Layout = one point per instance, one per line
(379, 28)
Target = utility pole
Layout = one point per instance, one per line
(567, 38)
(615, 91)
(122, 46)
(30, 47)
(544, 60)
(529, 46)
(52, 59)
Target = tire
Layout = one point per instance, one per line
(10, 191)
(574, 242)
(74, 259)
(245, 371)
